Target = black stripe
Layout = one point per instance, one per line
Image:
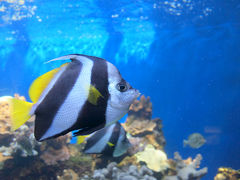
(95, 138)
(47, 109)
(108, 150)
(93, 117)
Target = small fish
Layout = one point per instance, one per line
(110, 141)
(195, 140)
(84, 95)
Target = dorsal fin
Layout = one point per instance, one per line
(66, 57)
(41, 83)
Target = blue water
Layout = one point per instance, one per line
(184, 54)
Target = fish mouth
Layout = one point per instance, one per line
(137, 93)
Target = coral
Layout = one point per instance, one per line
(21, 144)
(156, 160)
(139, 124)
(4, 158)
(227, 173)
(5, 127)
(186, 170)
(5, 121)
(138, 144)
(131, 173)
(142, 108)
(52, 156)
(68, 174)
(139, 127)
(139, 117)
(5, 124)
(22, 156)
(55, 150)
(129, 160)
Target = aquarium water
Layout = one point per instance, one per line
(183, 54)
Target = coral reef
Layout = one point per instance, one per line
(22, 141)
(55, 150)
(68, 174)
(20, 149)
(112, 172)
(141, 109)
(227, 174)
(171, 169)
(187, 169)
(22, 156)
(5, 124)
(146, 136)
(156, 160)
(140, 124)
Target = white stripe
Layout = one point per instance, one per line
(48, 88)
(69, 110)
(100, 145)
(121, 146)
(113, 114)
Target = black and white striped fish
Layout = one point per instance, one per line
(86, 94)
(111, 141)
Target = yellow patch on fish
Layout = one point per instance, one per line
(93, 95)
(110, 144)
(81, 139)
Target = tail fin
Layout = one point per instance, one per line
(19, 112)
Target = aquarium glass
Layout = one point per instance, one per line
(183, 54)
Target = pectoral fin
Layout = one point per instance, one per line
(94, 95)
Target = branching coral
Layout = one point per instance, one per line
(112, 172)
(141, 109)
(140, 124)
(186, 170)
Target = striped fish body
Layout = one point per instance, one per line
(85, 94)
(110, 141)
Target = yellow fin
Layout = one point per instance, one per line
(41, 83)
(110, 144)
(81, 139)
(19, 112)
(94, 94)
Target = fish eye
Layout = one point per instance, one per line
(122, 87)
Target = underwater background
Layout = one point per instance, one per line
(184, 54)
